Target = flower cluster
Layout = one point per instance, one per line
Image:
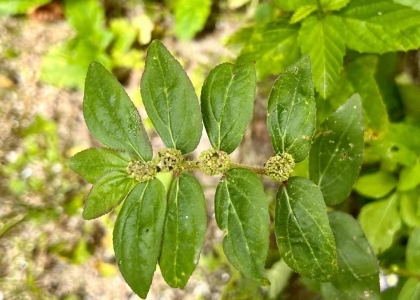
(170, 160)
(280, 167)
(142, 170)
(213, 162)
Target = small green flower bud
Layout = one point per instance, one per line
(280, 167)
(213, 162)
(141, 170)
(170, 160)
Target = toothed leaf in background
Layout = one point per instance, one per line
(273, 46)
(323, 39)
(379, 26)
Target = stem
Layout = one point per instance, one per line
(191, 165)
(400, 272)
(259, 171)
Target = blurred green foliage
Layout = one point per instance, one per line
(13, 7)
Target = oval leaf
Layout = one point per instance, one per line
(138, 234)
(170, 100)
(358, 269)
(303, 234)
(412, 251)
(380, 221)
(410, 290)
(107, 192)
(291, 110)
(111, 116)
(375, 185)
(227, 101)
(336, 154)
(94, 162)
(242, 210)
(185, 228)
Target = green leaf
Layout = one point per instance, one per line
(415, 4)
(375, 185)
(409, 207)
(111, 116)
(278, 274)
(170, 100)
(330, 292)
(77, 12)
(361, 74)
(94, 162)
(380, 221)
(190, 17)
(291, 110)
(302, 12)
(184, 232)
(358, 270)
(304, 237)
(400, 144)
(107, 192)
(273, 46)
(410, 290)
(125, 34)
(412, 251)
(240, 37)
(227, 90)
(138, 234)
(336, 154)
(293, 4)
(409, 177)
(323, 39)
(379, 26)
(13, 7)
(242, 211)
(333, 4)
